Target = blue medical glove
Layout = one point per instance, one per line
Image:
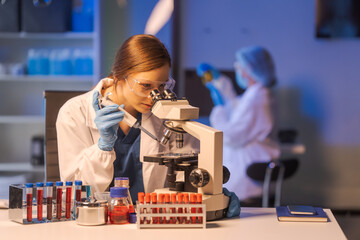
(215, 94)
(205, 67)
(107, 121)
(234, 204)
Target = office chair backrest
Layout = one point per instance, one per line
(53, 102)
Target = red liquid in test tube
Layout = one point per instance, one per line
(193, 209)
(166, 210)
(141, 197)
(161, 210)
(154, 209)
(59, 186)
(49, 198)
(173, 210)
(68, 199)
(180, 209)
(39, 198)
(147, 210)
(199, 201)
(186, 209)
(29, 199)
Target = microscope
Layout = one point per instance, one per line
(204, 172)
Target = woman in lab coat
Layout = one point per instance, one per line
(95, 145)
(247, 121)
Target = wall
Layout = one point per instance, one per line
(317, 91)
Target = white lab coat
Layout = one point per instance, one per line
(80, 157)
(248, 125)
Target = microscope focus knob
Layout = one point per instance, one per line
(199, 177)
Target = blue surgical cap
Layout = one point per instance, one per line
(258, 63)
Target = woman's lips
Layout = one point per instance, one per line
(147, 105)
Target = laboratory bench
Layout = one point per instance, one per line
(253, 223)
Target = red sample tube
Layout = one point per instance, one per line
(161, 210)
(193, 209)
(49, 200)
(147, 210)
(180, 209)
(29, 200)
(78, 184)
(59, 186)
(167, 201)
(39, 198)
(173, 210)
(199, 201)
(68, 185)
(186, 209)
(155, 220)
(141, 197)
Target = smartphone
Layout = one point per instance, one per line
(301, 209)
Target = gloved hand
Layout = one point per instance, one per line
(215, 94)
(234, 204)
(204, 68)
(107, 120)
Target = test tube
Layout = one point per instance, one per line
(49, 198)
(68, 199)
(161, 210)
(186, 209)
(147, 210)
(154, 209)
(141, 197)
(180, 209)
(199, 201)
(173, 210)
(29, 200)
(59, 186)
(167, 210)
(39, 198)
(193, 209)
(78, 184)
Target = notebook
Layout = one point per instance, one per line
(284, 215)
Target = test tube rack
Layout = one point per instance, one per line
(145, 216)
(18, 205)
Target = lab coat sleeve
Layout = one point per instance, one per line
(79, 155)
(243, 124)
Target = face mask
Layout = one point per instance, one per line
(241, 81)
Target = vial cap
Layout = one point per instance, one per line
(167, 197)
(147, 197)
(78, 182)
(132, 217)
(118, 192)
(59, 183)
(141, 196)
(68, 183)
(49, 184)
(39, 184)
(173, 197)
(161, 197)
(181, 197)
(186, 198)
(193, 198)
(29, 185)
(199, 198)
(153, 197)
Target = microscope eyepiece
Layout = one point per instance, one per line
(156, 95)
(168, 94)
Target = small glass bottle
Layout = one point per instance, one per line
(59, 191)
(68, 185)
(78, 184)
(119, 206)
(39, 198)
(124, 182)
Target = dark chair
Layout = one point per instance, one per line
(53, 102)
(267, 172)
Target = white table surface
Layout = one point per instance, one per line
(253, 223)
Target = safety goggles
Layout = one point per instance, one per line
(142, 87)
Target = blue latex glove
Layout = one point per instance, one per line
(202, 68)
(234, 204)
(215, 94)
(107, 121)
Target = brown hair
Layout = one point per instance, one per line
(139, 53)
